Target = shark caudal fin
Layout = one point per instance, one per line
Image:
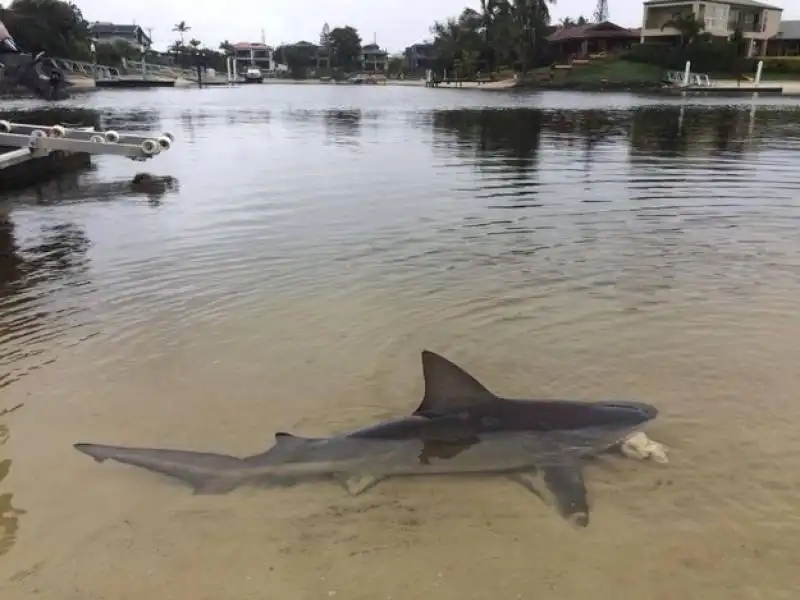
(206, 473)
(448, 387)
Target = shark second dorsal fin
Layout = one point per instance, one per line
(448, 387)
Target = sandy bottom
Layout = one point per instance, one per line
(720, 521)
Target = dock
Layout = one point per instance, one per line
(687, 83)
(129, 83)
(728, 90)
(30, 154)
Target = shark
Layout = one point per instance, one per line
(460, 427)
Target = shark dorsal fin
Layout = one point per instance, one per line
(448, 387)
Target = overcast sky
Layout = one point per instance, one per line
(394, 23)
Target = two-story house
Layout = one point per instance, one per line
(420, 57)
(374, 59)
(757, 21)
(108, 33)
(253, 54)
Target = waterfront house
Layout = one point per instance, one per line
(374, 59)
(757, 21)
(253, 54)
(580, 41)
(108, 33)
(419, 57)
(787, 41)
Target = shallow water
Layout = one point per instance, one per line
(316, 239)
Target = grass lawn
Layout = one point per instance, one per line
(618, 71)
(611, 70)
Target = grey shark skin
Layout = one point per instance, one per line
(460, 427)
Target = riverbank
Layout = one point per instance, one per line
(629, 76)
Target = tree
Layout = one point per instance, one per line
(459, 42)
(181, 28)
(509, 31)
(345, 47)
(570, 22)
(530, 18)
(688, 26)
(113, 53)
(397, 65)
(54, 26)
(226, 47)
(299, 57)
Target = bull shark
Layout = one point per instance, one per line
(460, 427)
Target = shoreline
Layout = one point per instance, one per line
(790, 88)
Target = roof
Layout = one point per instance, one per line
(605, 30)
(373, 49)
(249, 45)
(106, 28)
(789, 30)
(753, 3)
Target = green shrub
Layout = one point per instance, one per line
(781, 64)
(706, 56)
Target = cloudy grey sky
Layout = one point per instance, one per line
(395, 23)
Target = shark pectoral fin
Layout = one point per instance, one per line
(566, 487)
(357, 483)
(533, 480)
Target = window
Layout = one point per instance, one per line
(715, 17)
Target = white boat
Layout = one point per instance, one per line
(253, 75)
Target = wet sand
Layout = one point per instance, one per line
(211, 328)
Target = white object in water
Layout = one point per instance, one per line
(638, 445)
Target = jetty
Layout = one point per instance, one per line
(688, 83)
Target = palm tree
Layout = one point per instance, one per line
(491, 12)
(688, 26)
(181, 28)
(529, 17)
(502, 28)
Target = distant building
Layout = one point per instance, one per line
(757, 21)
(253, 54)
(374, 59)
(108, 33)
(787, 41)
(419, 57)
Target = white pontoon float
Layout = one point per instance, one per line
(38, 141)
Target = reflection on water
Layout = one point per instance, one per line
(32, 275)
(9, 516)
(561, 245)
(343, 126)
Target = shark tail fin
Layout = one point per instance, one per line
(206, 473)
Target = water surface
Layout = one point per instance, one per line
(314, 241)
